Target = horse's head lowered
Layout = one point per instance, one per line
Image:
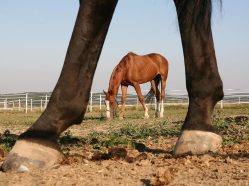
(111, 104)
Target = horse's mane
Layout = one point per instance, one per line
(112, 76)
(196, 14)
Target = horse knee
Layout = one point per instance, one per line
(162, 96)
(141, 99)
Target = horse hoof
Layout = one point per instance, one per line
(146, 117)
(197, 142)
(27, 155)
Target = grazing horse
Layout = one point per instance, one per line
(133, 70)
(38, 146)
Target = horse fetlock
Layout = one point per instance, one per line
(197, 142)
(157, 114)
(146, 116)
(27, 155)
(161, 114)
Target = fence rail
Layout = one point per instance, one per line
(24, 102)
(33, 101)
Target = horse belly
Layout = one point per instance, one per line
(144, 74)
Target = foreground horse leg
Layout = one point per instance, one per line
(123, 99)
(141, 99)
(204, 84)
(38, 146)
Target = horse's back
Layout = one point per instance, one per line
(152, 56)
(143, 68)
(152, 60)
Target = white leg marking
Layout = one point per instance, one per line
(161, 109)
(157, 108)
(108, 113)
(146, 115)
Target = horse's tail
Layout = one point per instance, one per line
(149, 96)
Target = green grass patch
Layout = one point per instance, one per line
(229, 122)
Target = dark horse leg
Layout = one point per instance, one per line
(204, 84)
(38, 146)
(159, 95)
(154, 88)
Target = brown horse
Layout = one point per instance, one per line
(38, 146)
(133, 70)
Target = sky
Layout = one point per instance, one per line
(34, 37)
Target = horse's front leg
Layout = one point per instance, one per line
(38, 146)
(141, 99)
(123, 100)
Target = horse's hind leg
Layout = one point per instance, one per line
(123, 99)
(162, 95)
(154, 86)
(141, 99)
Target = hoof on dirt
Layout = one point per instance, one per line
(197, 142)
(27, 155)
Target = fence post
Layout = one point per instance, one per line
(26, 103)
(41, 105)
(19, 105)
(91, 102)
(46, 101)
(239, 100)
(221, 104)
(100, 100)
(31, 105)
(5, 103)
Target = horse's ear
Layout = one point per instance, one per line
(104, 92)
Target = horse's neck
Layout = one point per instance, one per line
(113, 88)
(115, 82)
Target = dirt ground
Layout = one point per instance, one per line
(150, 163)
(151, 166)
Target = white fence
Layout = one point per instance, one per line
(24, 102)
(28, 102)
